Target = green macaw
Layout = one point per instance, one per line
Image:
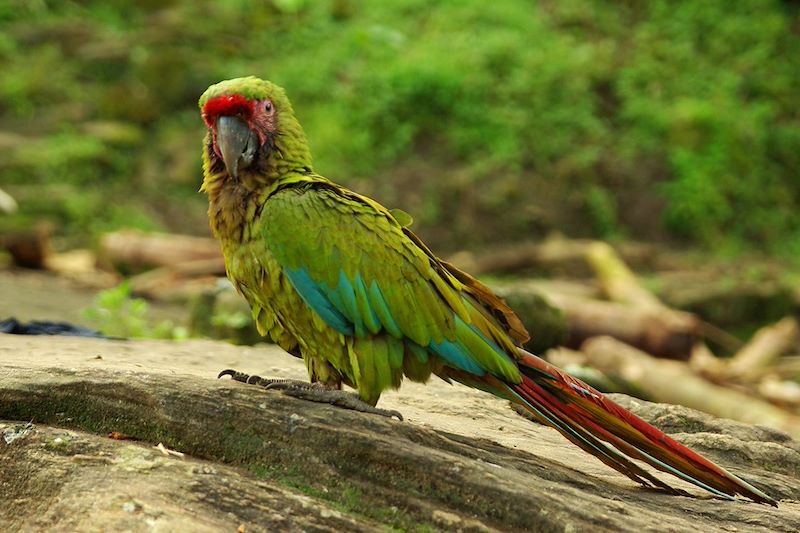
(338, 279)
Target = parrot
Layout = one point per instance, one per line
(339, 280)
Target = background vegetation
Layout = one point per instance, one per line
(673, 121)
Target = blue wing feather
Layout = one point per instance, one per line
(315, 297)
(455, 354)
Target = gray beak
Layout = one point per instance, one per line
(236, 143)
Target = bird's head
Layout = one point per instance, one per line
(251, 126)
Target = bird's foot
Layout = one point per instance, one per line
(314, 392)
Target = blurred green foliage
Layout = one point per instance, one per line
(488, 121)
(115, 312)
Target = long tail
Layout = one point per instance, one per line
(589, 420)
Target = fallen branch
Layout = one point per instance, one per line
(704, 363)
(555, 255)
(178, 280)
(616, 280)
(620, 285)
(134, 251)
(7, 203)
(30, 248)
(81, 266)
(652, 330)
(785, 393)
(768, 343)
(787, 367)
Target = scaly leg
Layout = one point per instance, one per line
(314, 392)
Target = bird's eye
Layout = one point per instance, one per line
(267, 106)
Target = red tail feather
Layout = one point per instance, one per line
(586, 417)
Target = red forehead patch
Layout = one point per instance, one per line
(227, 104)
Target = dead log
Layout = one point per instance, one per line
(616, 280)
(770, 342)
(783, 392)
(30, 248)
(787, 367)
(676, 383)
(656, 332)
(620, 285)
(704, 363)
(7, 203)
(81, 266)
(132, 251)
(650, 329)
(555, 255)
(178, 281)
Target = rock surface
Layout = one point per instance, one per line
(260, 461)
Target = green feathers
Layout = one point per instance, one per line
(354, 265)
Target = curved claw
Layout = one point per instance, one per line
(389, 413)
(235, 375)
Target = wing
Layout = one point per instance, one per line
(356, 267)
